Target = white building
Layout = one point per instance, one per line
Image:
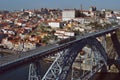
(118, 16)
(108, 14)
(7, 44)
(55, 24)
(67, 33)
(83, 20)
(69, 14)
(29, 46)
(88, 13)
(62, 34)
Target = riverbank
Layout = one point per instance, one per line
(107, 76)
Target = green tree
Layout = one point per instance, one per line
(45, 40)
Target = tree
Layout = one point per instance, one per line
(96, 25)
(77, 32)
(45, 40)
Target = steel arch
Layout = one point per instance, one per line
(67, 58)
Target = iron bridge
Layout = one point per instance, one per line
(95, 60)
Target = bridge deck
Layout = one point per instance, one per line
(23, 57)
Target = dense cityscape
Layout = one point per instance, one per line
(25, 30)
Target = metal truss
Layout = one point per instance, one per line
(34, 71)
(104, 42)
(65, 58)
(56, 68)
(93, 60)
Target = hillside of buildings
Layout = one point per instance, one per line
(25, 30)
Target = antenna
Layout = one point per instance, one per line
(81, 7)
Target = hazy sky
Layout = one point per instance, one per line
(33, 4)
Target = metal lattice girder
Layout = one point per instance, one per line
(34, 71)
(72, 55)
(62, 64)
(103, 42)
(95, 64)
(90, 74)
(64, 57)
(100, 58)
(101, 51)
(56, 67)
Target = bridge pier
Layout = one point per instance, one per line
(116, 45)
